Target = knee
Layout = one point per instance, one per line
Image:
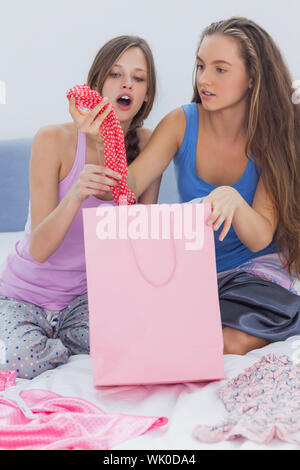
(9, 361)
(33, 360)
(238, 342)
(234, 348)
(234, 342)
(7, 355)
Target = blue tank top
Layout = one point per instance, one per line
(231, 252)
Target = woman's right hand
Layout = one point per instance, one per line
(95, 180)
(86, 122)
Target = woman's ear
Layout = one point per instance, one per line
(250, 83)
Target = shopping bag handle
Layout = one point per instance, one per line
(149, 281)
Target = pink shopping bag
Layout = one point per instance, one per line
(152, 294)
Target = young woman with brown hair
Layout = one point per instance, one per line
(43, 291)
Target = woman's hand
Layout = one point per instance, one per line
(95, 180)
(224, 202)
(87, 122)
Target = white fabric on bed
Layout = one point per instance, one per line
(185, 405)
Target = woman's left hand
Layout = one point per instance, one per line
(224, 202)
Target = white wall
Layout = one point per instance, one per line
(47, 46)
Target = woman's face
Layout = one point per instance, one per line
(126, 85)
(222, 72)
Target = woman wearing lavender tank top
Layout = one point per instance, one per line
(43, 287)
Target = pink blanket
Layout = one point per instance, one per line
(263, 403)
(65, 423)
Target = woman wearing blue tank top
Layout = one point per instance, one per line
(237, 146)
(44, 316)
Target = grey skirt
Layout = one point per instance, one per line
(258, 306)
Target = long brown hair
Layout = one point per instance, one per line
(273, 131)
(101, 66)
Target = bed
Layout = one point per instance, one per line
(185, 405)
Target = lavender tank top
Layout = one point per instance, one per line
(56, 282)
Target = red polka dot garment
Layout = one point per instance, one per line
(113, 140)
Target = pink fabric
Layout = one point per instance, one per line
(7, 379)
(263, 403)
(66, 423)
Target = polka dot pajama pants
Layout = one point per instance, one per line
(34, 339)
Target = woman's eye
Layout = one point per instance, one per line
(220, 70)
(114, 74)
(139, 79)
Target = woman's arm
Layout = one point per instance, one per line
(150, 195)
(255, 226)
(50, 220)
(156, 156)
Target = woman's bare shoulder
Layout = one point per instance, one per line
(58, 134)
(58, 139)
(53, 150)
(175, 118)
(176, 123)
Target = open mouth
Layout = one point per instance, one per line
(207, 94)
(124, 102)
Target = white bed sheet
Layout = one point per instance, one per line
(185, 405)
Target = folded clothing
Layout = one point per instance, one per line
(66, 423)
(263, 403)
(113, 140)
